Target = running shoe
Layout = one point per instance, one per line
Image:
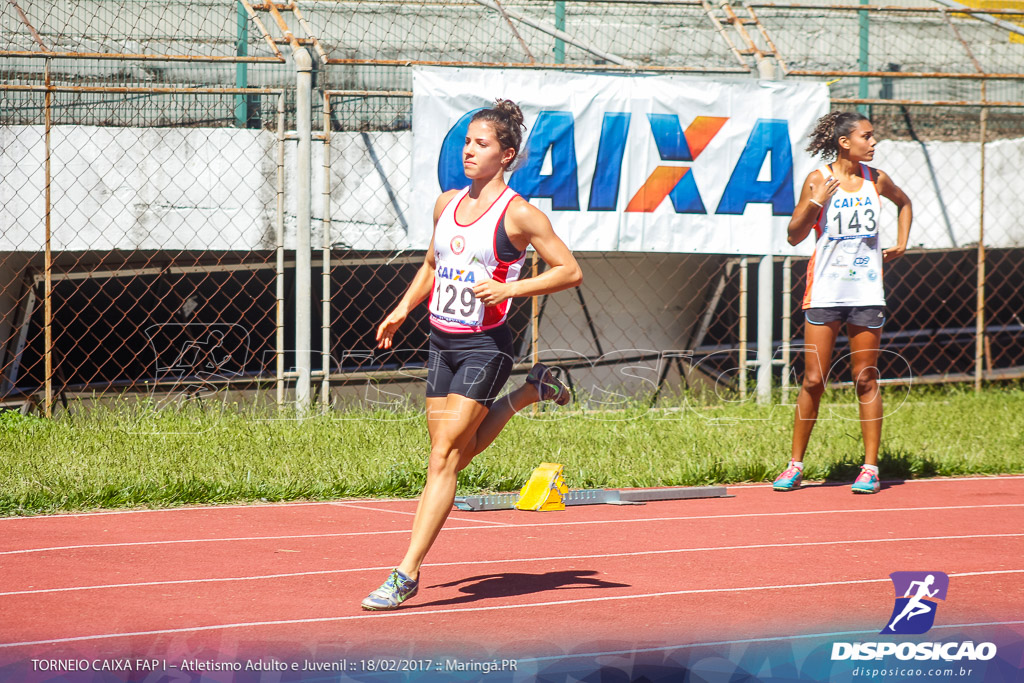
(789, 480)
(392, 593)
(867, 482)
(548, 386)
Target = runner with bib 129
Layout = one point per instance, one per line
(841, 202)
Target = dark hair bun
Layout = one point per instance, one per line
(511, 110)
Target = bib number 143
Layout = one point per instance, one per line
(854, 226)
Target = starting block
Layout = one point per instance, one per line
(545, 491)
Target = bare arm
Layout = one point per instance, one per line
(805, 215)
(419, 288)
(527, 225)
(905, 215)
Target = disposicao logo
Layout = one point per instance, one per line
(917, 596)
(916, 601)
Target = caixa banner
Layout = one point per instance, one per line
(630, 162)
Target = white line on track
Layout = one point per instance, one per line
(410, 613)
(855, 511)
(184, 508)
(413, 514)
(555, 558)
(805, 636)
(898, 482)
(277, 506)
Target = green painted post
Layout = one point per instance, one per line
(560, 25)
(862, 62)
(242, 69)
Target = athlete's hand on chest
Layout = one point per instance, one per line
(492, 293)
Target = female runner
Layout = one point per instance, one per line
(471, 270)
(844, 279)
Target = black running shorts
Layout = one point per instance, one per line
(861, 316)
(474, 364)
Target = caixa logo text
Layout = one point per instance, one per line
(554, 133)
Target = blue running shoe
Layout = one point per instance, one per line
(867, 482)
(789, 480)
(548, 386)
(392, 593)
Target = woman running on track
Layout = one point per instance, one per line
(844, 279)
(471, 270)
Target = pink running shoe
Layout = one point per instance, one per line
(789, 480)
(867, 482)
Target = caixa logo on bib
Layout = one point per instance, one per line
(917, 594)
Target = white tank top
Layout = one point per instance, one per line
(846, 267)
(466, 255)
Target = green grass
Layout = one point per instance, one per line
(131, 456)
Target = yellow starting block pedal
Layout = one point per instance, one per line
(546, 489)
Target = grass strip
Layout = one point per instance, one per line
(135, 455)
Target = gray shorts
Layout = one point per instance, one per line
(872, 317)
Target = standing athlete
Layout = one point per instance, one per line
(840, 201)
(470, 272)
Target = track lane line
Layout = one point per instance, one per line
(409, 613)
(856, 511)
(806, 636)
(272, 506)
(469, 563)
(413, 514)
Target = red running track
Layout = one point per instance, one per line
(286, 580)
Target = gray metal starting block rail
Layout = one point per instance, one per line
(507, 501)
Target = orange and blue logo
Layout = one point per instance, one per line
(551, 168)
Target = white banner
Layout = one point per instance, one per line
(631, 162)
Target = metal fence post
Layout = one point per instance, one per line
(787, 324)
(862, 60)
(560, 25)
(242, 68)
(303, 252)
(325, 270)
(979, 350)
(742, 328)
(765, 318)
(48, 259)
(279, 271)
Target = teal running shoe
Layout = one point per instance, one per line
(867, 482)
(392, 593)
(548, 386)
(789, 480)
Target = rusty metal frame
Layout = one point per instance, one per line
(881, 8)
(31, 28)
(709, 12)
(137, 57)
(128, 57)
(644, 68)
(984, 104)
(126, 89)
(512, 27)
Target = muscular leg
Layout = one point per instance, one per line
(452, 422)
(864, 344)
(501, 412)
(819, 339)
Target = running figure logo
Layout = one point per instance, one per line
(916, 595)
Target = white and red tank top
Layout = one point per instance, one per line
(846, 267)
(466, 255)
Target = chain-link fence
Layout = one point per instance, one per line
(148, 194)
